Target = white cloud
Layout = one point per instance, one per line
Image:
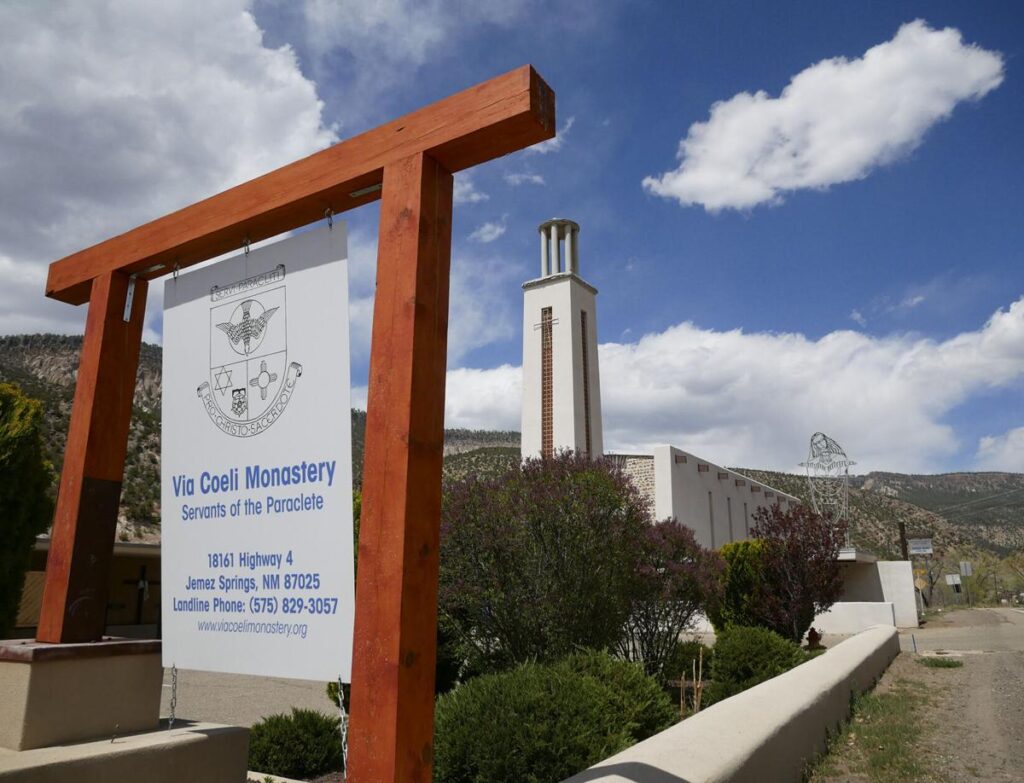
(754, 399)
(912, 301)
(398, 31)
(480, 312)
(835, 122)
(858, 318)
(465, 191)
(117, 112)
(1001, 452)
(515, 180)
(376, 45)
(484, 399)
(553, 144)
(488, 232)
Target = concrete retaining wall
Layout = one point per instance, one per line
(767, 733)
(897, 578)
(851, 617)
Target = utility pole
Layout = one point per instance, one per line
(903, 541)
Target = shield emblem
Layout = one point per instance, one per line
(250, 379)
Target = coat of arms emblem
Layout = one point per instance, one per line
(251, 380)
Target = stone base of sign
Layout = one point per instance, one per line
(54, 694)
(193, 752)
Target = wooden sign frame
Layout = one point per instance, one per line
(408, 164)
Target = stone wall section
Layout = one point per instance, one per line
(640, 470)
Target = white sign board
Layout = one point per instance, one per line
(952, 579)
(919, 546)
(965, 568)
(257, 571)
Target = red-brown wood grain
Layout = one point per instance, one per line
(85, 521)
(391, 734)
(493, 118)
(413, 158)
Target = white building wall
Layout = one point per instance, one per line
(851, 617)
(702, 495)
(897, 579)
(567, 295)
(861, 582)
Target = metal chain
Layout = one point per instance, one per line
(344, 726)
(174, 694)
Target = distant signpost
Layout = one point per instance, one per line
(920, 546)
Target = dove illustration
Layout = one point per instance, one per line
(249, 329)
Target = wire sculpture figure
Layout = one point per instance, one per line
(828, 477)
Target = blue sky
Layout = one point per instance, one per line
(842, 255)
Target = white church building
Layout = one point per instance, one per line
(561, 409)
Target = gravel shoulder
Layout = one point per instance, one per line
(970, 719)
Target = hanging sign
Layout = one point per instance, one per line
(256, 488)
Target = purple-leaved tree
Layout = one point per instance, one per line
(800, 572)
(676, 578)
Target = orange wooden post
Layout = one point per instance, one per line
(82, 540)
(391, 735)
(413, 159)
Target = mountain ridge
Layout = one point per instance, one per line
(955, 509)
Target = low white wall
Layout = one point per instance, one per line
(850, 617)
(767, 733)
(897, 578)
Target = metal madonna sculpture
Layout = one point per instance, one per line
(828, 476)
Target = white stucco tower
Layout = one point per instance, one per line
(561, 382)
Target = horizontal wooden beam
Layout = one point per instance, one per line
(492, 119)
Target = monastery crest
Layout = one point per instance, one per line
(251, 380)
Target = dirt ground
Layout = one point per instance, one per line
(972, 717)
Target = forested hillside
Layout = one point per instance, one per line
(956, 509)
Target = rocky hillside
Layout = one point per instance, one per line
(957, 509)
(45, 367)
(987, 508)
(875, 516)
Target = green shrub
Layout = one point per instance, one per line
(737, 602)
(638, 697)
(25, 478)
(685, 656)
(540, 562)
(301, 745)
(542, 723)
(745, 657)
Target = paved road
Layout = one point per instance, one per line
(990, 630)
(976, 723)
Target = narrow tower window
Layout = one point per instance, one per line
(711, 518)
(728, 510)
(546, 382)
(586, 378)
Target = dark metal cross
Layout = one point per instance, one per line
(142, 584)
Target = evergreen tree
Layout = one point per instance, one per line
(25, 504)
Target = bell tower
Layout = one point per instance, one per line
(561, 381)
